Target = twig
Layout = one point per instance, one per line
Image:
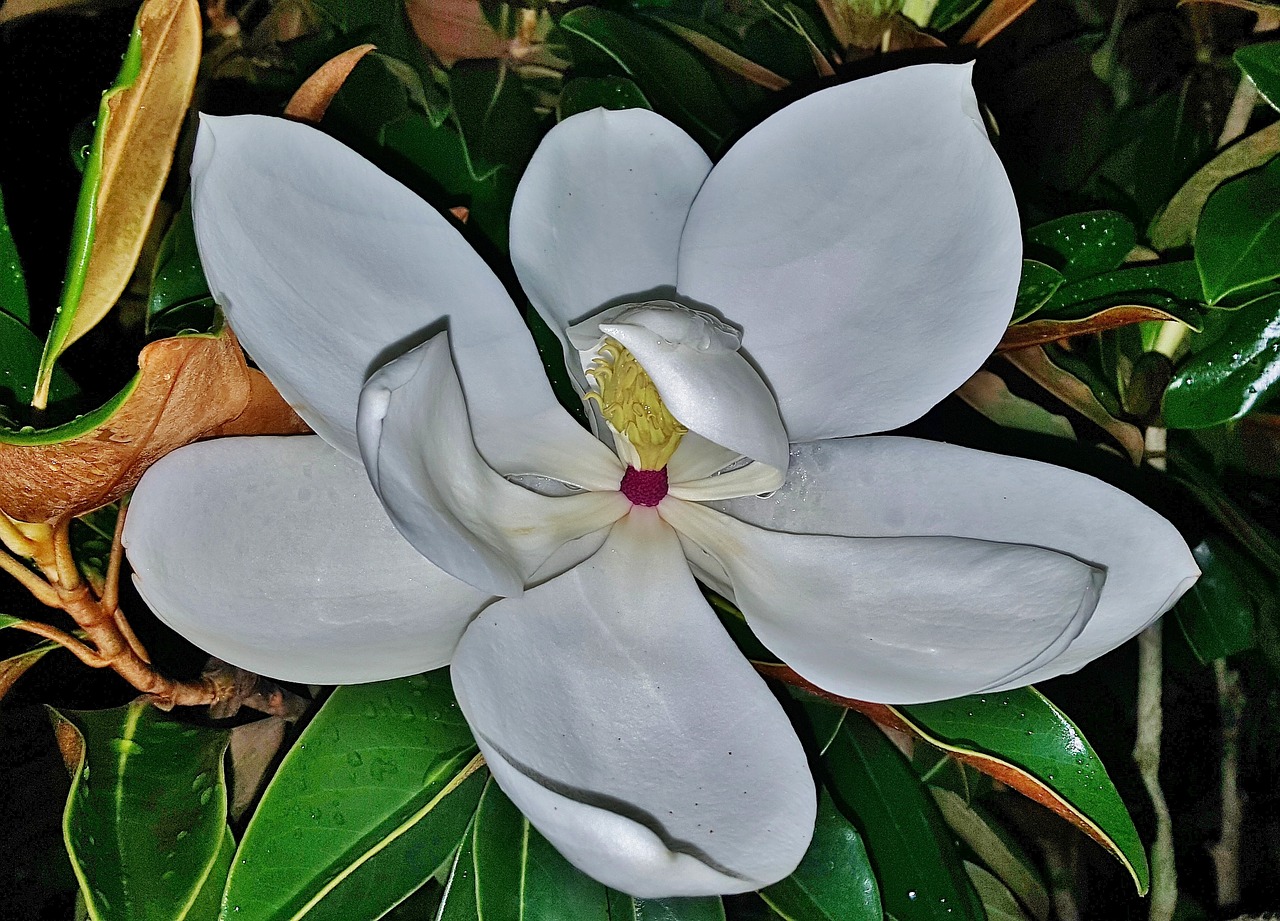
(65, 574)
(1226, 850)
(64, 639)
(17, 542)
(31, 581)
(111, 590)
(1146, 754)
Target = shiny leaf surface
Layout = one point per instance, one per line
(1080, 245)
(1239, 233)
(1037, 285)
(1261, 63)
(1217, 615)
(13, 284)
(583, 94)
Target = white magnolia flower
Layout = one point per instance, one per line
(865, 242)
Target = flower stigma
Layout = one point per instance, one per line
(629, 401)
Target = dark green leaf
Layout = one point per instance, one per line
(1238, 237)
(1229, 377)
(13, 284)
(20, 352)
(1261, 63)
(369, 802)
(834, 881)
(623, 907)
(147, 812)
(1080, 245)
(1217, 614)
(494, 114)
(671, 77)
(1024, 729)
(506, 871)
(179, 298)
(951, 12)
(1038, 284)
(920, 874)
(997, 901)
(586, 93)
(209, 899)
(1173, 287)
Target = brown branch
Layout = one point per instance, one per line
(63, 639)
(42, 590)
(65, 574)
(13, 538)
(111, 591)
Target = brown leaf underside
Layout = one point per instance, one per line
(1039, 332)
(312, 99)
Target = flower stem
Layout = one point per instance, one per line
(1146, 754)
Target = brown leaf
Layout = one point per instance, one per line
(455, 30)
(186, 387)
(14, 667)
(993, 20)
(1038, 332)
(253, 748)
(989, 395)
(266, 413)
(312, 99)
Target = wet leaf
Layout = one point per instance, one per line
(1217, 614)
(1080, 245)
(1261, 64)
(1238, 236)
(1037, 284)
(1233, 374)
(179, 299)
(310, 101)
(371, 800)
(185, 388)
(266, 413)
(1171, 287)
(13, 284)
(1039, 332)
(138, 124)
(147, 812)
(582, 94)
(20, 350)
(1176, 225)
(623, 907)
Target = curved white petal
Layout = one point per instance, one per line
(275, 555)
(752, 480)
(599, 211)
(327, 268)
(415, 438)
(899, 486)
(696, 457)
(866, 240)
(900, 619)
(619, 716)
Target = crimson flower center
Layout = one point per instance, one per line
(644, 487)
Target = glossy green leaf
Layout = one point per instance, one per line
(1037, 285)
(147, 812)
(623, 907)
(915, 861)
(997, 901)
(506, 871)
(369, 802)
(1173, 287)
(586, 93)
(1080, 245)
(1233, 374)
(209, 899)
(13, 284)
(1238, 236)
(996, 849)
(20, 351)
(834, 881)
(1261, 63)
(1217, 614)
(179, 298)
(671, 77)
(1024, 730)
(949, 13)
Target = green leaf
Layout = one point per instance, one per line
(997, 901)
(494, 114)
(1037, 286)
(13, 284)
(586, 93)
(920, 874)
(506, 871)
(146, 814)
(1217, 614)
(834, 881)
(623, 907)
(179, 298)
(20, 350)
(1080, 245)
(1233, 374)
(364, 808)
(209, 899)
(1261, 64)
(949, 13)
(1173, 287)
(1024, 730)
(671, 77)
(1238, 237)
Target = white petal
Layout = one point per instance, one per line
(898, 486)
(416, 441)
(866, 240)
(696, 458)
(616, 712)
(327, 268)
(896, 620)
(599, 211)
(275, 555)
(752, 480)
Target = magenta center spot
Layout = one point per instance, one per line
(644, 487)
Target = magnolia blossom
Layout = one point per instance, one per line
(846, 265)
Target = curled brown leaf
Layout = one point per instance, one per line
(312, 99)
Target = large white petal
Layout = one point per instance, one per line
(905, 486)
(866, 240)
(599, 211)
(415, 438)
(896, 619)
(619, 716)
(328, 268)
(275, 555)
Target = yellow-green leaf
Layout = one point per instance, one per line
(137, 128)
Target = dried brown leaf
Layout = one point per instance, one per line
(186, 387)
(1038, 332)
(312, 99)
(266, 413)
(993, 20)
(456, 30)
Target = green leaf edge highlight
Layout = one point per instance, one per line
(83, 228)
(1140, 876)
